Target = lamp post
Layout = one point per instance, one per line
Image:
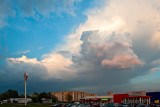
(25, 78)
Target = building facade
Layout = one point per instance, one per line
(137, 97)
(97, 99)
(76, 95)
(155, 99)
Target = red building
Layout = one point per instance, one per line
(118, 98)
(138, 97)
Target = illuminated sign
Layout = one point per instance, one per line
(156, 101)
(104, 99)
(137, 93)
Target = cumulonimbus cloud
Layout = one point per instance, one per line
(105, 43)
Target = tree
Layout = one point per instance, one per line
(2, 97)
(12, 93)
(21, 96)
(69, 97)
(35, 97)
(42, 95)
(54, 98)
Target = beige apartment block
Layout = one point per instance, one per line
(76, 95)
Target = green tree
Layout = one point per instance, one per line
(69, 97)
(35, 97)
(45, 95)
(42, 95)
(12, 93)
(2, 97)
(54, 98)
(9, 94)
(21, 96)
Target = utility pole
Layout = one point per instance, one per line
(25, 78)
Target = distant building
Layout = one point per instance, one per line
(76, 95)
(92, 99)
(44, 100)
(155, 97)
(110, 93)
(88, 94)
(20, 100)
(97, 99)
(136, 97)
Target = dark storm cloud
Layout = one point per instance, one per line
(12, 77)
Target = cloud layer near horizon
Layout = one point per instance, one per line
(107, 46)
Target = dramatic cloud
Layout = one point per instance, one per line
(122, 62)
(116, 43)
(56, 65)
(113, 51)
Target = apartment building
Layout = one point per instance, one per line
(76, 95)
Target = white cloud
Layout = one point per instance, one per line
(139, 18)
(57, 65)
(156, 62)
(23, 59)
(23, 52)
(28, 8)
(39, 48)
(154, 70)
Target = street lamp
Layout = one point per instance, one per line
(25, 78)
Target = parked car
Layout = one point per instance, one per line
(75, 105)
(69, 105)
(84, 105)
(143, 105)
(64, 105)
(103, 105)
(96, 105)
(57, 105)
(114, 105)
(126, 105)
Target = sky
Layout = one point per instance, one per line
(95, 46)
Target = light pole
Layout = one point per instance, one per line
(25, 78)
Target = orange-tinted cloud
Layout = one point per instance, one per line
(122, 62)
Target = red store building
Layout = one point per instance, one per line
(138, 97)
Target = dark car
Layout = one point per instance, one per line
(57, 105)
(143, 105)
(126, 105)
(96, 105)
(64, 105)
(69, 105)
